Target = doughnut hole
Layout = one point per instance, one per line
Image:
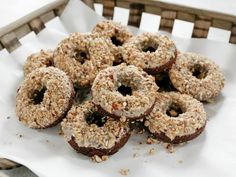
(81, 55)
(199, 71)
(125, 90)
(96, 118)
(38, 95)
(116, 41)
(150, 46)
(174, 110)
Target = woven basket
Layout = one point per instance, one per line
(202, 19)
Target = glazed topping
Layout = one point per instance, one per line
(176, 114)
(124, 91)
(90, 128)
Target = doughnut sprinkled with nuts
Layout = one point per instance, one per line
(151, 51)
(92, 133)
(196, 75)
(176, 118)
(82, 56)
(44, 97)
(117, 35)
(124, 91)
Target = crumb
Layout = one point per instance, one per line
(19, 135)
(140, 142)
(180, 161)
(152, 151)
(124, 171)
(169, 147)
(104, 157)
(47, 141)
(150, 140)
(123, 119)
(135, 155)
(60, 132)
(98, 159)
(8, 117)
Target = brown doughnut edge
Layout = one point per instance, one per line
(65, 113)
(162, 68)
(147, 112)
(89, 151)
(179, 139)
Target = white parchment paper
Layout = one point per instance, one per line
(46, 153)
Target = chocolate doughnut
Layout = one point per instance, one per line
(82, 56)
(44, 97)
(176, 118)
(124, 91)
(197, 75)
(37, 60)
(152, 52)
(92, 133)
(117, 35)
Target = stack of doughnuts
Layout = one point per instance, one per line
(128, 79)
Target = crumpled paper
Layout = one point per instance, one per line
(47, 154)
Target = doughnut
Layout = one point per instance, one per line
(124, 91)
(117, 35)
(82, 56)
(176, 118)
(42, 59)
(44, 97)
(93, 133)
(152, 52)
(197, 75)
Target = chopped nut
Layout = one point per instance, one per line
(104, 157)
(150, 140)
(124, 171)
(152, 151)
(96, 158)
(169, 147)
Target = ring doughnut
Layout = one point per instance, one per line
(197, 75)
(82, 56)
(91, 133)
(42, 59)
(44, 97)
(117, 35)
(150, 51)
(124, 91)
(176, 118)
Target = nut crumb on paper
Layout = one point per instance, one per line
(152, 151)
(169, 147)
(19, 135)
(98, 159)
(124, 171)
(150, 140)
(135, 155)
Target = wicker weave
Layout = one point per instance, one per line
(203, 20)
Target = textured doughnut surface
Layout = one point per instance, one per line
(151, 51)
(138, 103)
(82, 56)
(37, 60)
(94, 136)
(44, 97)
(117, 35)
(197, 75)
(176, 128)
